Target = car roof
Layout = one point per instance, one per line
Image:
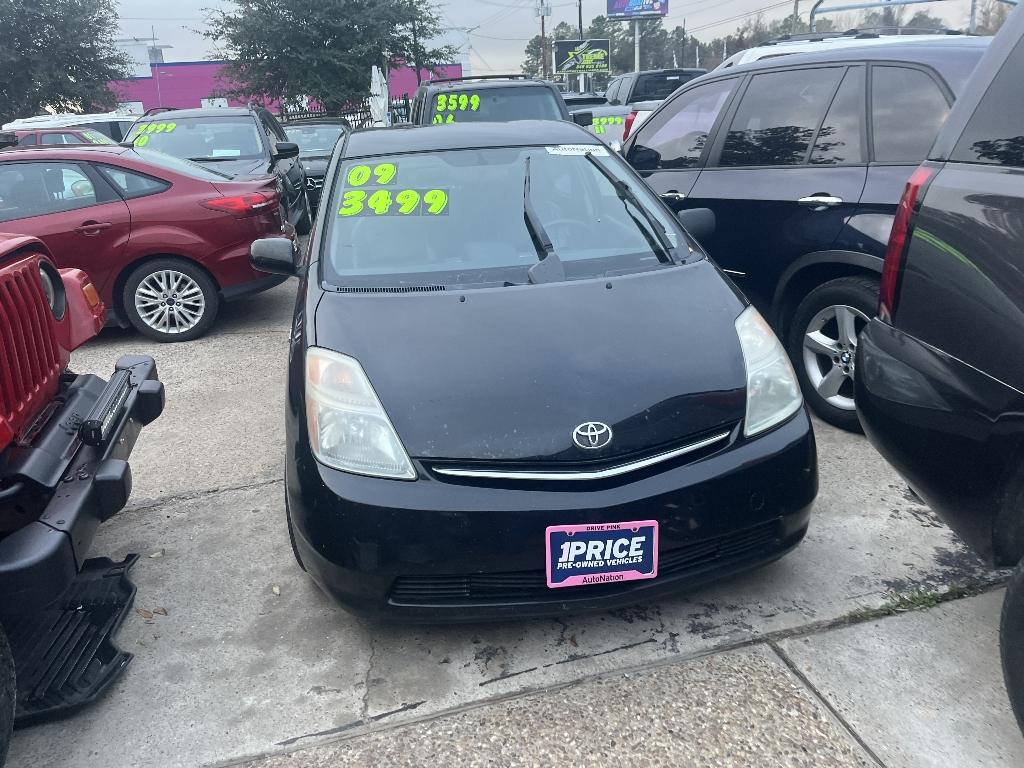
(475, 84)
(72, 151)
(921, 51)
(342, 121)
(64, 129)
(176, 114)
(952, 57)
(435, 138)
(669, 71)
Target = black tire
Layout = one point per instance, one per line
(856, 300)
(1011, 642)
(7, 689)
(305, 224)
(205, 284)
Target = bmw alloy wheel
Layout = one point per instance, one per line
(170, 302)
(829, 353)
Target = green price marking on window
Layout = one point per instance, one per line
(457, 102)
(439, 119)
(405, 202)
(141, 140)
(360, 175)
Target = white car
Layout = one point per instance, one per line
(114, 125)
(825, 41)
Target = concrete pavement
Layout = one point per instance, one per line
(236, 670)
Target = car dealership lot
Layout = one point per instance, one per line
(251, 659)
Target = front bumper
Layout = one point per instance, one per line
(447, 550)
(70, 486)
(950, 430)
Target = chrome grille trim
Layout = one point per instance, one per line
(600, 474)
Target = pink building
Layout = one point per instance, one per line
(186, 84)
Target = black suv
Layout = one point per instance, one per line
(940, 385)
(803, 159)
(492, 98)
(316, 138)
(244, 142)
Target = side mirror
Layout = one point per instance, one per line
(285, 149)
(698, 222)
(642, 158)
(276, 255)
(584, 118)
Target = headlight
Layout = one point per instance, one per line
(773, 392)
(348, 428)
(53, 289)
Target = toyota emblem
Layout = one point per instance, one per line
(591, 435)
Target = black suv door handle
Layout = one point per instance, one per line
(820, 201)
(673, 196)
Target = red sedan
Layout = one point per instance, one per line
(164, 240)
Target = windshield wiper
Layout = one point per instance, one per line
(654, 232)
(211, 159)
(549, 268)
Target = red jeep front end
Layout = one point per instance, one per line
(64, 444)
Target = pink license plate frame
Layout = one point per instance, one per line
(597, 532)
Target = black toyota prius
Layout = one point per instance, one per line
(517, 386)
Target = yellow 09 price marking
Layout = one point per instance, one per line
(405, 202)
(359, 175)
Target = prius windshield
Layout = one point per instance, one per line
(459, 217)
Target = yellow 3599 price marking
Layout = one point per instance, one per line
(405, 202)
(382, 173)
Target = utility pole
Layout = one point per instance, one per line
(636, 45)
(682, 51)
(583, 77)
(796, 15)
(543, 9)
(973, 27)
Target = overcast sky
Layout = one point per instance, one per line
(496, 31)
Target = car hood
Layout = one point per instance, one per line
(315, 166)
(507, 374)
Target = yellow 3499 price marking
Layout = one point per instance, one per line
(405, 202)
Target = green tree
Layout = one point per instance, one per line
(58, 54)
(289, 49)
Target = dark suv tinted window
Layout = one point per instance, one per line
(675, 137)
(778, 116)
(839, 140)
(907, 111)
(658, 86)
(995, 133)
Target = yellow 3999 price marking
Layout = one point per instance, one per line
(404, 202)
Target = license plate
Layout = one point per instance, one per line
(601, 553)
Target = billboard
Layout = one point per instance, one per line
(577, 57)
(634, 9)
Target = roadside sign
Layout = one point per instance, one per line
(577, 57)
(636, 9)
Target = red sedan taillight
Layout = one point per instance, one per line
(898, 242)
(241, 206)
(629, 125)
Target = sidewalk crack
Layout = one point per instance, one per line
(857, 738)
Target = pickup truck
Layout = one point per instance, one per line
(64, 444)
(631, 99)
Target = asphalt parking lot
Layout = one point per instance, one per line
(238, 656)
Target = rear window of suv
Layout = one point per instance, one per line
(995, 133)
(494, 105)
(659, 86)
